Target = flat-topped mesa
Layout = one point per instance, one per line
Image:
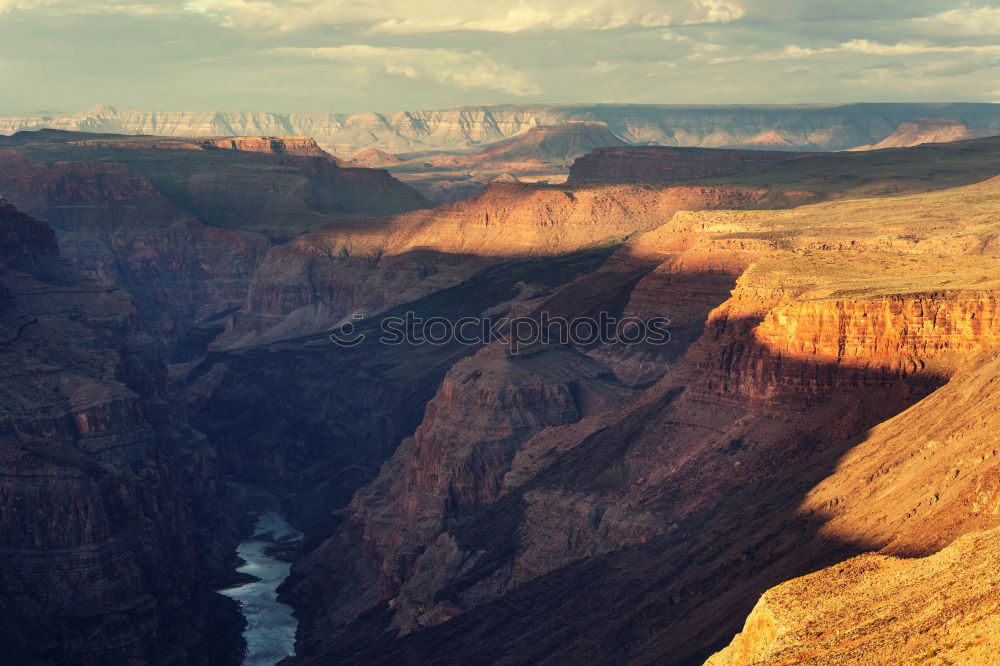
(200, 213)
(636, 164)
(275, 145)
(798, 127)
(270, 145)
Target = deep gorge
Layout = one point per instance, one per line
(174, 406)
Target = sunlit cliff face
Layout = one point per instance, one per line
(210, 208)
(826, 391)
(837, 316)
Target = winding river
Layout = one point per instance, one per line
(271, 627)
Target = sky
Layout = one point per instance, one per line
(349, 56)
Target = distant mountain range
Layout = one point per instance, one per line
(773, 127)
(543, 153)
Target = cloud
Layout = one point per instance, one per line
(463, 69)
(11, 5)
(964, 21)
(909, 48)
(824, 11)
(432, 16)
(716, 11)
(83, 8)
(863, 47)
(439, 53)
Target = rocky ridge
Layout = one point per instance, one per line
(796, 127)
(663, 164)
(923, 485)
(605, 495)
(179, 226)
(859, 611)
(929, 130)
(88, 438)
(780, 379)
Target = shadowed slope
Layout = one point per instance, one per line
(912, 486)
(182, 223)
(108, 500)
(644, 532)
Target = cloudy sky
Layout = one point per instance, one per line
(384, 55)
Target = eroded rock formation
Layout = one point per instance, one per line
(913, 487)
(822, 127)
(831, 318)
(665, 164)
(929, 130)
(107, 498)
(183, 228)
(635, 518)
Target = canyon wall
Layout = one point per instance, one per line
(929, 130)
(924, 486)
(108, 500)
(238, 242)
(664, 164)
(657, 520)
(181, 227)
(319, 419)
(794, 127)
(569, 503)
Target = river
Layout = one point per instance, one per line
(271, 627)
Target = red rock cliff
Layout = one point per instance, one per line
(98, 478)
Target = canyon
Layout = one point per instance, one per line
(451, 154)
(928, 130)
(634, 514)
(111, 503)
(542, 154)
(815, 439)
(664, 164)
(182, 224)
(791, 127)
